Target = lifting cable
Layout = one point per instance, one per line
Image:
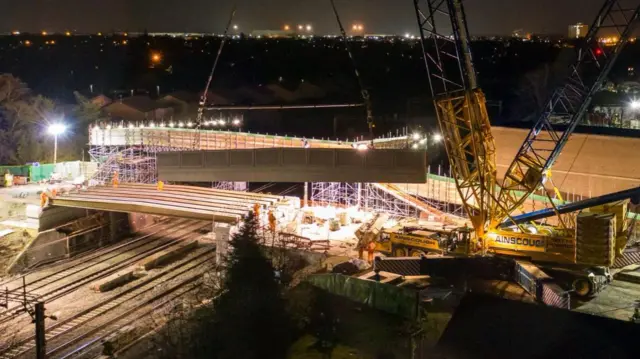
(586, 137)
(363, 91)
(203, 99)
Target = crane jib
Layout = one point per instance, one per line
(567, 105)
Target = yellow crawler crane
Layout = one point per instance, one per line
(462, 116)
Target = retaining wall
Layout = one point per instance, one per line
(53, 217)
(53, 244)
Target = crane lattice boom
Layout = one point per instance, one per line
(460, 105)
(567, 105)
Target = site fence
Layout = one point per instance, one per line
(38, 172)
(385, 297)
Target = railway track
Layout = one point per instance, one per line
(80, 257)
(70, 286)
(100, 335)
(102, 312)
(73, 265)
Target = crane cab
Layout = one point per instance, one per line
(416, 241)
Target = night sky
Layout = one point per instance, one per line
(379, 16)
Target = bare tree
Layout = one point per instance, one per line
(174, 325)
(8, 337)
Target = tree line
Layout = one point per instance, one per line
(25, 117)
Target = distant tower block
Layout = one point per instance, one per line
(578, 30)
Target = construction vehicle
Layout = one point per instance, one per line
(401, 241)
(573, 244)
(369, 232)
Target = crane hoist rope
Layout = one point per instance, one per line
(366, 97)
(203, 98)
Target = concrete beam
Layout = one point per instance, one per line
(144, 208)
(294, 165)
(177, 201)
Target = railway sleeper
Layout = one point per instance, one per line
(119, 279)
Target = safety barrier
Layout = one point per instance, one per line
(386, 297)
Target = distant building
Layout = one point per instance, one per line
(379, 36)
(217, 98)
(309, 91)
(281, 93)
(138, 108)
(180, 34)
(101, 100)
(521, 34)
(518, 33)
(273, 34)
(578, 30)
(254, 95)
(180, 101)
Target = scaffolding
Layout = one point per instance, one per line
(336, 194)
(132, 164)
(378, 200)
(230, 186)
(437, 194)
(130, 149)
(371, 197)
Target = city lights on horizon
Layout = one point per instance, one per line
(356, 27)
(303, 30)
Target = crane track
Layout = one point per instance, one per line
(110, 304)
(70, 287)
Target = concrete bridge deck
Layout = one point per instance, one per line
(177, 201)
